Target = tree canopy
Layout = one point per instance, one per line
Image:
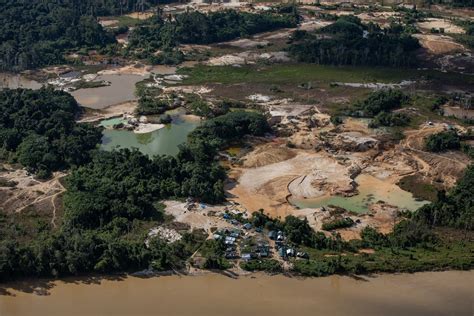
(203, 28)
(39, 33)
(38, 129)
(350, 42)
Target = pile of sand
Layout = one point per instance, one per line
(268, 154)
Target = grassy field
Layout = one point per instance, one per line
(418, 188)
(303, 73)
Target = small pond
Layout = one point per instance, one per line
(121, 89)
(371, 190)
(164, 141)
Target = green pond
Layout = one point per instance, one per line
(371, 190)
(164, 141)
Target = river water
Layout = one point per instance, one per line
(431, 293)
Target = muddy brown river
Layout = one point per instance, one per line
(432, 293)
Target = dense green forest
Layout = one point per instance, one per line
(455, 209)
(454, 3)
(111, 201)
(38, 129)
(448, 140)
(200, 28)
(350, 42)
(115, 7)
(39, 33)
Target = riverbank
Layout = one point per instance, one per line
(432, 293)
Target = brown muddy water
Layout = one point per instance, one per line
(15, 81)
(431, 293)
(121, 89)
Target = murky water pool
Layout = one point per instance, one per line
(371, 190)
(164, 141)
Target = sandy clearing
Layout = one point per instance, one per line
(447, 166)
(141, 15)
(196, 218)
(29, 192)
(306, 175)
(109, 112)
(108, 22)
(448, 26)
(246, 43)
(132, 69)
(248, 58)
(439, 44)
(145, 128)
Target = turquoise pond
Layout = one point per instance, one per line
(164, 141)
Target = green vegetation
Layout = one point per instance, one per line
(303, 73)
(350, 42)
(338, 223)
(38, 129)
(298, 232)
(378, 105)
(112, 7)
(113, 201)
(35, 34)
(390, 120)
(127, 184)
(455, 209)
(228, 128)
(199, 28)
(446, 255)
(378, 102)
(151, 100)
(468, 37)
(267, 265)
(454, 3)
(213, 252)
(443, 141)
(419, 188)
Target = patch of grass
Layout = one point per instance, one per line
(419, 188)
(300, 73)
(124, 20)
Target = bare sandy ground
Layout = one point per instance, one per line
(141, 15)
(196, 218)
(147, 128)
(132, 69)
(447, 166)
(248, 58)
(108, 22)
(29, 192)
(439, 44)
(448, 26)
(109, 112)
(305, 174)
